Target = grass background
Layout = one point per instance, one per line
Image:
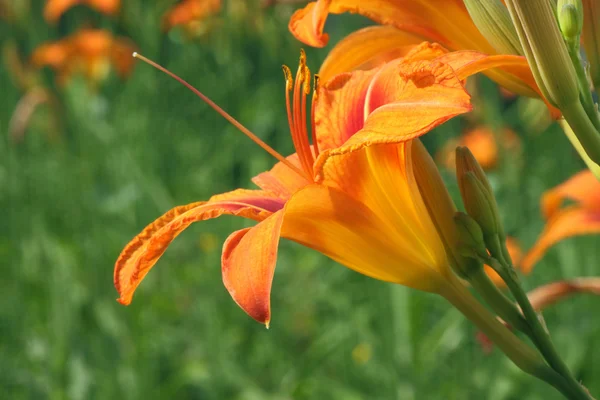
(73, 194)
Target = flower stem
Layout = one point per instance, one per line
(584, 129)
(592, 166)
(523, 356)
(539, 335)
(498, 301)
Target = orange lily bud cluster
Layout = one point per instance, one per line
(90, 52)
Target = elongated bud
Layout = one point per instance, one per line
(570, 19)
(591, 38)
(493, 21)
(441, 208)
(545, 49)
(477, 193)
(470, 236)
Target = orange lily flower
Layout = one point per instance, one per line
(191, 14)
(580, 218)
(482, 143)
(354, 195)
(56, 8)
(89, 51)
(405, 23)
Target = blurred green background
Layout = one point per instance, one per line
(89, 171)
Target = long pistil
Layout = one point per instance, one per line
(225, 115)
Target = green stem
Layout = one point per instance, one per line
(584, 85)
(523, 356)
(539, 335)
(498, 301)
(584, 130)
(592, 166)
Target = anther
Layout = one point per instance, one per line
(289, 81)
(306, 77)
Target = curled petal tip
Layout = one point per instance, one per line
(122, 301)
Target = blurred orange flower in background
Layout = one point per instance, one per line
(581, 216)
(482, 143)
(191, 14)
(56, 8)
(91, 52)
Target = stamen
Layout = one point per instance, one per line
(225, 115)
(312, 115)
(299, 135)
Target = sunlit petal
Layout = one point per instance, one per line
(367, 48)
(396, 102)
(248, 264)
(572, 221)
(140, 255)
(281, 180)
(367, 214)
(443, 21)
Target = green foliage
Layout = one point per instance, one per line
(74, 193)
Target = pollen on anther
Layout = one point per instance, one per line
(302, 58)
(289, 81)
(306, 80)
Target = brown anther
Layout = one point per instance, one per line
(316, 79)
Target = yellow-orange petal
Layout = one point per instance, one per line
(583, 188)
(367, 213)
(248, 264)
(443, 21)
(340, 109)
(405, 101)
(140, 255)
(281, 180)
(572, 221)
(509, 71)
(367, 48)
(396, 102)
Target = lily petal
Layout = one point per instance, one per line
(510, 71)
(394, 103)
(569, 222)
(367, 214)
(248, 263)
(281, 180)
(405, 101)
(583, 188)
(367, 48)
(140, 255)
(443, 21)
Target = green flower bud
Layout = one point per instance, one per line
(470, 236)
(570, 19)
(493, 21)
(545, 49)
(477, 194)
